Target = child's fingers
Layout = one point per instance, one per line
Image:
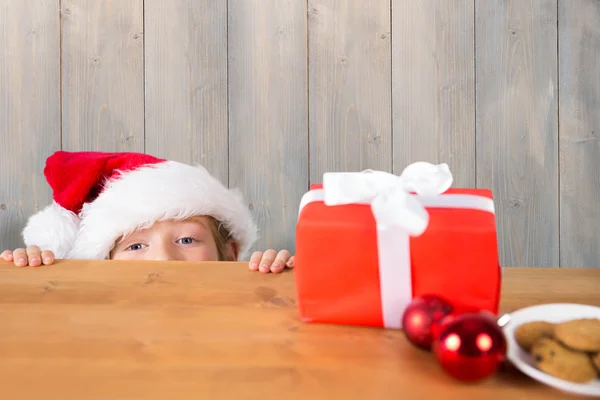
(290, 262)
(47, 257)
(280, 261)
(255, 260)
(34, 255)
(20, 257)
(267, 260)
(7, 255)
(271, 261)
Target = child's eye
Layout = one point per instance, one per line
(135, 247)
(186, 240)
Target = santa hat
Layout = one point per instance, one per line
(99, 197)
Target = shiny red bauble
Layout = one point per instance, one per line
(471, 346)
(422, 317)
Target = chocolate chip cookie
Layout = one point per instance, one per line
(555, 359)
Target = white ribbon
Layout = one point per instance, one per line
(398, 215)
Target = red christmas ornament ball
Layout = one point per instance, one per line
(422, 317)
(470, 347)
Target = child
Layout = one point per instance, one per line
(132, 206)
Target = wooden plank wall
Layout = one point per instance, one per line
(102, 72)
(186, 82)
(268, 126)
(29, 109)
(270, 94)
(579, 127)
(516, 115)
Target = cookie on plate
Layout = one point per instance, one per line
(579, 334)
(554, 359)
(528, 333)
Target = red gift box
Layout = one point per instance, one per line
(351, 271)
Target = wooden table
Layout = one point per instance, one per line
(145, 330)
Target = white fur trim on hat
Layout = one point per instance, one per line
(136, 200)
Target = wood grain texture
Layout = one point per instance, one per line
(102, 75)
(186, 82)
(216, 330)
(349, 77)
(516, 124)
(29, 110)
(579, 97)
(433, 85)
(268, 132)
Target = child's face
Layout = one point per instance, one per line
(188, 240)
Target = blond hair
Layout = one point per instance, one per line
(221, 235)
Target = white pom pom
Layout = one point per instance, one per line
(53, 228)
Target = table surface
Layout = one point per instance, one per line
(128, 330)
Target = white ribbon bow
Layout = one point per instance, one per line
(389, 195)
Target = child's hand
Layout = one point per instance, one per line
(271, 261)
(32, 256)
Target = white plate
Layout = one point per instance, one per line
(550, 313)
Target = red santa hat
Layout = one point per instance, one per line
(99, 197)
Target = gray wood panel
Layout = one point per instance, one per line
(270, 94)
(433, 85)
(29, 110)
(268, 132)
(516, 114)
(186, 82)
(350, 77)
(579, 78)
(102, 75)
